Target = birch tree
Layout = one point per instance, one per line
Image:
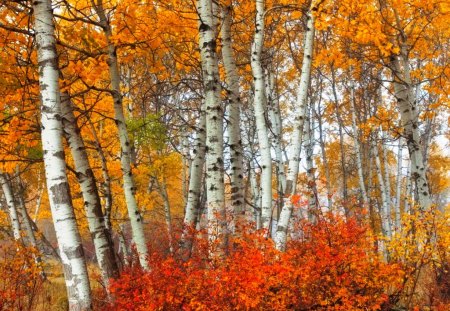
(195, 184)
(234, 129)
(260, 103)
(407, 105)
(67, 234)
(296, 141)
(129, 187)
(104, 248)
(215, 191)
(11, 204)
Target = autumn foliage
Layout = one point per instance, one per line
(20, 277)
(332, 266)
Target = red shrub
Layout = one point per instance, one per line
(332, 267)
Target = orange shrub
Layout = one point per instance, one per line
(332, 267)
(20, 277)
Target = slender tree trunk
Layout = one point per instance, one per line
(103, 244)
(136, 219)
(26, 221)
(275, 130)
(408, 190)
(385, 217)
(21, 208)
(398, 186)
(11, 204)
(324, 158)
(256, 195)
(106, 186)
(123, 246)
(187, 162)
(341, 141)
(356, 137)
(39, 198)
(310, 171)
(260, 102)
(68, 236)
(215, 191)
(387, 175)
(234, 127)
(167, 213)
(295, 144)
(195, 186)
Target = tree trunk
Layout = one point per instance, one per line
(234, 127)
(324, 158)
(129, 187)
(68, 236)
(398, 186)
(195, 186)
(385, 217)
(356, 137)
(407, 106)
(295, 144)
(310, 171)
(103, 244)
(275, 131)
(215, 191)
(260, 102)
(11, 204)
(167, 213)
(106, 186)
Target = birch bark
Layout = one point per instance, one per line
(260, 102)
(69, 240)
(103, 244)
(385, 217)
(192, 209)
(129, 187)
(398, 186)
(407, 105)
(215, 191)
(234, 129)
(11, 204)
(295, 144)
(362, 186)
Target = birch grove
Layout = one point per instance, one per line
(224, 154)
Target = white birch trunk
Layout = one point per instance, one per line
(384, 215)
(256, 196)
(275, 126)
(260, 102)
(129, 187)
(69, 240)
(398, 186)
(324, 158)
(167, 213)
(362, 186)
(234, 129)
(311, 180)
(387, 175)
(103, 244)
(295, 144)
(22, 210)
(39, 197)
(407, 105)
(214, 129)
(11, 204)
(408, 190)
(123, 248)
(192, 209)
(106, 185)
